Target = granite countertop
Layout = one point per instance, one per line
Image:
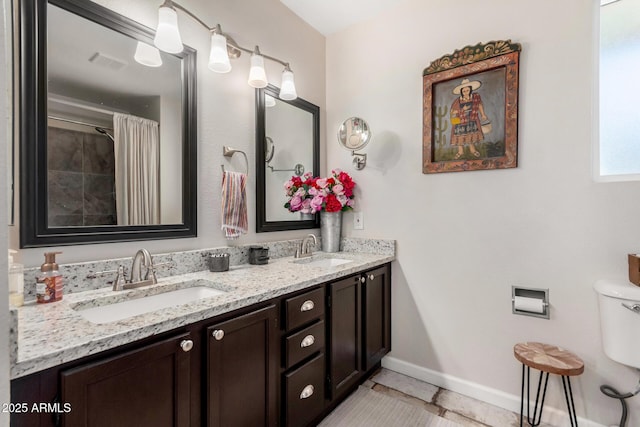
(52, 334)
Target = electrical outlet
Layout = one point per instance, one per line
(358, 221)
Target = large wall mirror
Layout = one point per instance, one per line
(287, 144)
(107, 129)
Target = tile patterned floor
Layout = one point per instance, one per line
(463, 410)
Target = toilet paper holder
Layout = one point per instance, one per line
(530, 302)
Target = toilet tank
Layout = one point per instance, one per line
(619, 323)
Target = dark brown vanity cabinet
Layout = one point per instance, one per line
(283, 362)
(359, 315)
(149, 386)
(303, 361)
(376, 314)
(242, 370)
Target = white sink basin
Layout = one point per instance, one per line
(125, 309)
(323, 262)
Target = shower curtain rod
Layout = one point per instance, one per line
(62, 119)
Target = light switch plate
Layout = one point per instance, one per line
(358, 221)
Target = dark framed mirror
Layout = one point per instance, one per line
(95, 97)
(287, 144)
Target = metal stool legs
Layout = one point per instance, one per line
(537, 416)
(571, 407)
(532, 422)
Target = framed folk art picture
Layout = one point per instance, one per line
(470, 109)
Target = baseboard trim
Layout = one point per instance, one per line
(485, 394)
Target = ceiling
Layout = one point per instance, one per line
(331, 16)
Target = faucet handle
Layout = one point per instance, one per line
(119, 281)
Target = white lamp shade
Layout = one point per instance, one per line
(219, 56)
(147, 55)
(167, 35)
(288, 87)
(269, 101)
(257, 75)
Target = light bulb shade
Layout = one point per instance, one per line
(269, 101)
(167, 34)
(147, 55)
(288, 86)
(257, 75)
(219, 56)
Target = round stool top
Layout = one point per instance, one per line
(548, 358)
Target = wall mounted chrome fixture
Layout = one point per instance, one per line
(223, 47)
(354, 134)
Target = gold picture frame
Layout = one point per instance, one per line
(470, 109)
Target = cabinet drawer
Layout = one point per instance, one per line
(304, 392)
(304, 308)
(304, 343)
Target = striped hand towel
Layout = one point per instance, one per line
(234, 204)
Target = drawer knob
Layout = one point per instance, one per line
(186, 345)
(306, 392)
(308, 341)
(218, 334)
(363, 279)
(307, 305)
(371, 277)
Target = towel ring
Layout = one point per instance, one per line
(229, 152)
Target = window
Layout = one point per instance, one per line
(619, 139)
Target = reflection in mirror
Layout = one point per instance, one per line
(115, 129)
(287, 144)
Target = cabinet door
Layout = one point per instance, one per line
(243, 370)
(345, 334)
(377, 315)
(144, 387)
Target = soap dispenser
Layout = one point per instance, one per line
(49, 281)
(16, 281)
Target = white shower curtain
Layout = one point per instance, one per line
(137, 169)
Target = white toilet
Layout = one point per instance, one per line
(619, 316)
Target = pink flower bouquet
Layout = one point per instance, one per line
(309, 195)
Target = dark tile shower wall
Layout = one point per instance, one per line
(81, 171)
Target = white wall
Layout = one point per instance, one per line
(464, 238)
(226, 109)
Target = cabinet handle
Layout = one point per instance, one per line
(186, 345)
(308, 341)
(307, 305)
(306, 392)
(363, 279)
(371, 277)
(218, 334)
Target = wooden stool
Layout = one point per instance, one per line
(548, 359)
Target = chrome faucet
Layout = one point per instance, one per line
(304, 250)
(142, 257)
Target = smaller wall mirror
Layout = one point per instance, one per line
(287, 144)
(354, 134)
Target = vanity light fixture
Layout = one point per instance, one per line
(257, 75)
(288, 87)
(269, 101)
(219, 57)
(167, 34)
(147, 55)
(223, 47)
